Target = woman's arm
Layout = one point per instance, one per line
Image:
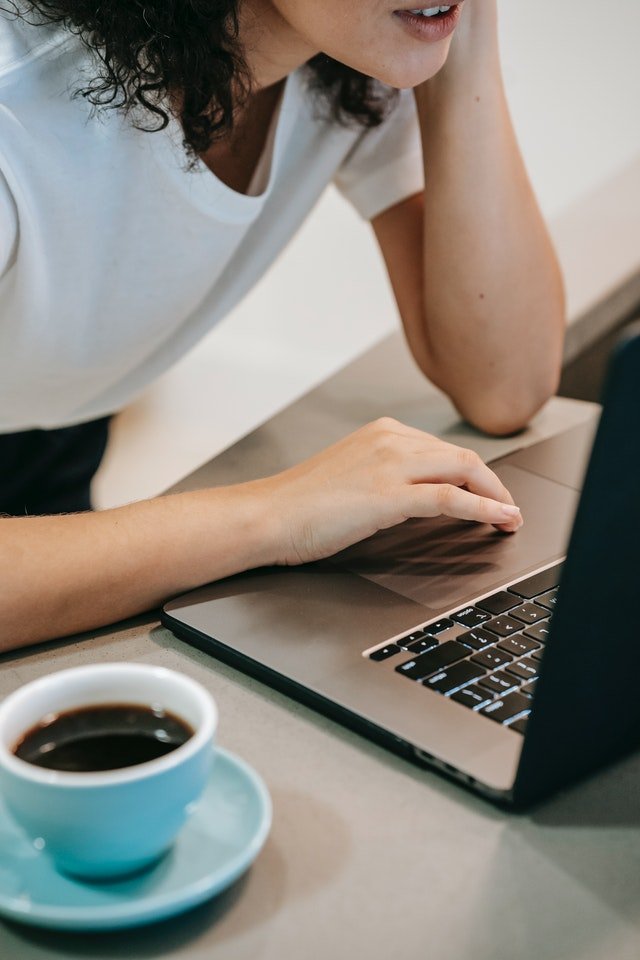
(63, 574)
(474, 271)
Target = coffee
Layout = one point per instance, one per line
(106, 737)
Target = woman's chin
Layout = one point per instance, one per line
(404, 76)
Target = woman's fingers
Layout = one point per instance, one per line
(418, 458)
(447, 499)
(433, 460)
(468, 470)
(464, 468)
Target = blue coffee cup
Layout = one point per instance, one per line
(114, 822)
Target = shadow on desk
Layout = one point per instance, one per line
(572, 864)
(147, 941)
(242, 911)
(47, 650)
(609, 799)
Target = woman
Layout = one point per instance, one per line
(128, 229)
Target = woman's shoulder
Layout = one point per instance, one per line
(24, 40)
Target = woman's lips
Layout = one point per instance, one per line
(429, 29)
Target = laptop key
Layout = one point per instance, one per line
(478, 639)
(503, 626)
(526, 668)
(437, 659)
(470, 617)
(405, 642)
(472, 696)
(507, 707)
(498, 603)
(518, 645)
(529, 688)
(438, 626)
(421, 646)
(548, 600)
(385, 652)
(537, 654)
(446, 681)
(491, 659)
(519, 725)
(538, 583)
(499, 683)
(529, 613)
(539, 632)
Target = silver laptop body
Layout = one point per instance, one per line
(311, 630)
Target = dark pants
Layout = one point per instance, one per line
(50, 471)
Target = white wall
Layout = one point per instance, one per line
(572, 73)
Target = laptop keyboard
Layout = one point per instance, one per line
(487, 655)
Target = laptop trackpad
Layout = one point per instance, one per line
(443, 562)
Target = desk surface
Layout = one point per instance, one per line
(368, 855)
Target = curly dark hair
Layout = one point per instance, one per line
(149, 51)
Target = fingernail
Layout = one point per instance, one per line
(510, 511)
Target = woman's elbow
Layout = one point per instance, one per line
(508, 409)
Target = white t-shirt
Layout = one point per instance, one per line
(114, 258)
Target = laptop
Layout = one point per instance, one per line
(505, 662)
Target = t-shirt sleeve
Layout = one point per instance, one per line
(385, 165)
(8, 226)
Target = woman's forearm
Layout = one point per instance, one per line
(64, 574)
(492, 285)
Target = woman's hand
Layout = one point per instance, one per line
(122, 561)
(476, 36)
(378, 477)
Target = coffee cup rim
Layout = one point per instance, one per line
(204, 733)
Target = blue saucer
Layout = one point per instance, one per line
(220, 840)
